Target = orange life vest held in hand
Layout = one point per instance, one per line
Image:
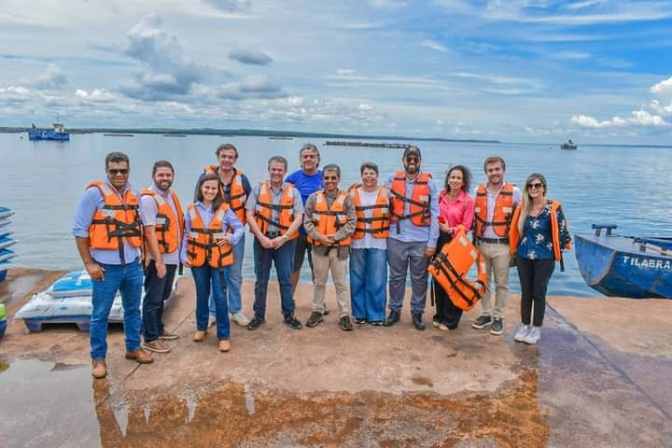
(450, 267)
(378, 224)
(327, 219)
(419, 211)
(117, 221)
(263, 210)
(237, 198)
(202, 245)
(501, 219)
(169, 228)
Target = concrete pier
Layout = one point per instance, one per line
(599, 377)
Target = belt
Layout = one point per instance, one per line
(272, 234)
(494, 240)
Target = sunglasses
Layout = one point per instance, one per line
(123, 172)
(535, 186)
(413, 159)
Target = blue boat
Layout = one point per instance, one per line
(625, 266)
(58, 133)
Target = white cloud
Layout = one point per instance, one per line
(638, 118)
(52, 79)
(662, 110)
(663, 86)
(230, 5)
(434, 45)
(96, 95)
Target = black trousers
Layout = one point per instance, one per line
(534, 276)
(157, 290)
(446, 313)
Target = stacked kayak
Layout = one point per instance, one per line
(6, 241)
(67, 300)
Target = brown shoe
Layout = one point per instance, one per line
(224, 345)
(156, 346)
(99, 370)
(140, 356)
(199, 336)
(166, 336)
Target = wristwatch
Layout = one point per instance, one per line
(285, 237)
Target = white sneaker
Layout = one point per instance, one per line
(533, 335)
(240, 318)
(443, 327)
(521, 333)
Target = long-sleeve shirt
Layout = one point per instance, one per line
(343, 232)
(458, 211)
(409, 232)
(93, 200)
(230, 221)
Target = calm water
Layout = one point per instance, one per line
(42, 182)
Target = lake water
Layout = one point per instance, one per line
(43, 181)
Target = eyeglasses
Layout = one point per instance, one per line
(535, 186)
(123, 172)
(413, 159)
(330, 178)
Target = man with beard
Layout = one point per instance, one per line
(414, 230)
(163, 219)
(493, 210)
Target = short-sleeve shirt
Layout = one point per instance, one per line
(276, 197)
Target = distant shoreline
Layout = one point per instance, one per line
(250, 133)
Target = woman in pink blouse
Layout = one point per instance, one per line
(456, 207)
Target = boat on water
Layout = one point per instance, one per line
(569, 145)
(58, 133)
(625, 266)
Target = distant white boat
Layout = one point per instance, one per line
(569, 145)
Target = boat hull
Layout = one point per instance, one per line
(37, 135)
(620, 266)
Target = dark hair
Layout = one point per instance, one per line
(162, 164)
(279, 159)
(494, 159)
(116, 157)
(224, 147)
(368, 166)
(466, 178)
(217, 202)
(332, 167)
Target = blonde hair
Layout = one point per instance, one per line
(527, 200)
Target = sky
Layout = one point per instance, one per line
(595, 71)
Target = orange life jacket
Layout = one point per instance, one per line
(378, 225)
(169, 228)
(419, 212)
(501, 219)
(202, 245)
(118, 220)
(327, 219)
(238, 197)
(450, 267)
(263, 210)
(558, 246)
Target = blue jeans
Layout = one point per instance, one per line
(234, 280)
(401, 256)
(128, 281)
(208, 279)
(157, 290)
(284, 263)
(368, 279)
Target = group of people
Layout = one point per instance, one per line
(126, 237)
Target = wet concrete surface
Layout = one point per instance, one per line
(373, 387)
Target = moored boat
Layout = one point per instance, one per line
(625, 266)
(58, 133)
(569, 145)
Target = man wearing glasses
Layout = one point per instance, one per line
(493, 210)
(108, 233)
(414, 230)
(330, 220)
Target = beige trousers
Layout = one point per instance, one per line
(321, 266)
(497, 259)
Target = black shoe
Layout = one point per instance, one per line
(497, 327)
(292, 322)
(417, 321)
(255, 322)
(345, 324)
(314, 319)
(360, 320)
(392, 318)
(482, 322)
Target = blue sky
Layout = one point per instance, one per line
(596, 71)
